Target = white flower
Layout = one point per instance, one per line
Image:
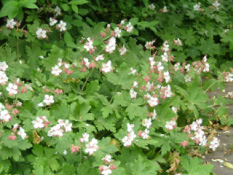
(206, 68)
(178, 42)
(111, 46)
(99, 57)
(132, 71)
(40, 104)
(214, 143)
(48, 100)
(154, 114)
(166, 90)
(127, 140)
(65, 125)
(133, 94)
(3, 78)
(106, 170)
(177, 66)
(160, 66)
(56, 70)
(165, 47)
(86, 62)
(52, 21)
(89, 45)
(196, 7)
(38, 123)
(106, 67)
(153, 101)
(117, 32)
(149, 45)
(147, 123)
(56, 131)
(174, 109)
(151, 7)
(10, 24)
(57, 11)
(64, 152)
(22, 133)
(2, 107)
(12, 89)
(187, 78)
(92, 147)
(165, 10)
(129, 27)
(130, 127)
(41, 57)
(40, 33)
(3, 66)
(135, 84)
(107, 158)
(166, 76)
(170, 125)
(85, 138)
(122, 21)
(5, 116)
(122, 50)
(216, 4)
(165, 57)
(145, 133)
(187, 67)
(62, 26)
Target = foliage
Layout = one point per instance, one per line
(80, 96)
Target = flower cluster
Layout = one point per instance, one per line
(127, 140)
(170, 125)
(196, 131)
(3, 76)
(228, 76)
(12, 89)
(4, 114)
(59, 129)
(48, 100)
(20, 132)
(40, 122)
(111, 45)
(108, 167)
(178, 42)
(147, 123)
(149, 45)
(215, 143)
(92, 146)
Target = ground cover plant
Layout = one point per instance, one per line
(85, 97)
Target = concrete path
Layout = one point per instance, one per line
(225, 151)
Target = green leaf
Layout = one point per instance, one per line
(28, 4)
(134, 109)
(75, 8)
(122, 77)
(10, 9)
(78, 2)
(143, 166)
(69, 40)
(193, 166)
(92, 87)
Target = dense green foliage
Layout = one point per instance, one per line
(103, 87)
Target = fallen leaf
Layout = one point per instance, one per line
(228, 165)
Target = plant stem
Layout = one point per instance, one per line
(60, 40)
(114, 93)
(18, 48)
(87, 80)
